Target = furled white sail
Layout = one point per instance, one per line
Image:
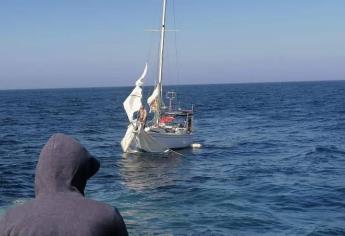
(129, 138)
(152, 100)
(133, 103)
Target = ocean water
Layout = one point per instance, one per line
(272, 160)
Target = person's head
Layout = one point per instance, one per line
(63, 165)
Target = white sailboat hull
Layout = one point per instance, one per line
(170, 140)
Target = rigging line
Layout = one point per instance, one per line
(151, 55)
(149, 52)
(175, 44)
(154, 49)
(180, 154)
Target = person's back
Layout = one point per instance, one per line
(59, 207)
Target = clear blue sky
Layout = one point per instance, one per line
(103, 43)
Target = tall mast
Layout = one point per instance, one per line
(161, 54)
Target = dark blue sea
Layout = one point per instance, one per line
(272, 160)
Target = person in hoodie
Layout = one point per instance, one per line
(59, 207)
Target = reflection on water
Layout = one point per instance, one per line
(152, 183)
(144, 171)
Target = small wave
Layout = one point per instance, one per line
(215, 147)
(8, 142)
(8, 121)
(326, 149)
(166, 188)
(90, 131)
(245, 222)
(200, 179)
(327, 231)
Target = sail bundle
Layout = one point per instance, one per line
(135, 131)
(153, 99)
(133, 103)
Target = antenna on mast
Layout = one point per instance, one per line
(171, 95)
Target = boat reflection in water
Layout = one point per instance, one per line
(144, 171)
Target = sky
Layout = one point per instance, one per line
(58, 44)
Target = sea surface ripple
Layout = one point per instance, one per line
(272, 161)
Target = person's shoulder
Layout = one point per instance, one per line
(110, 216)
(15, 214)
(20, 210)
(97, 204)
(103, 208)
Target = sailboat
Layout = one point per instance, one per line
(170, 128)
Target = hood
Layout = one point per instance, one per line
(64, 165)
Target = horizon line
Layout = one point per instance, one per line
(201, 84)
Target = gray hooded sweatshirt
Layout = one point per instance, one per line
(59, 207)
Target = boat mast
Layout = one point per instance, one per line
(161, 55)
